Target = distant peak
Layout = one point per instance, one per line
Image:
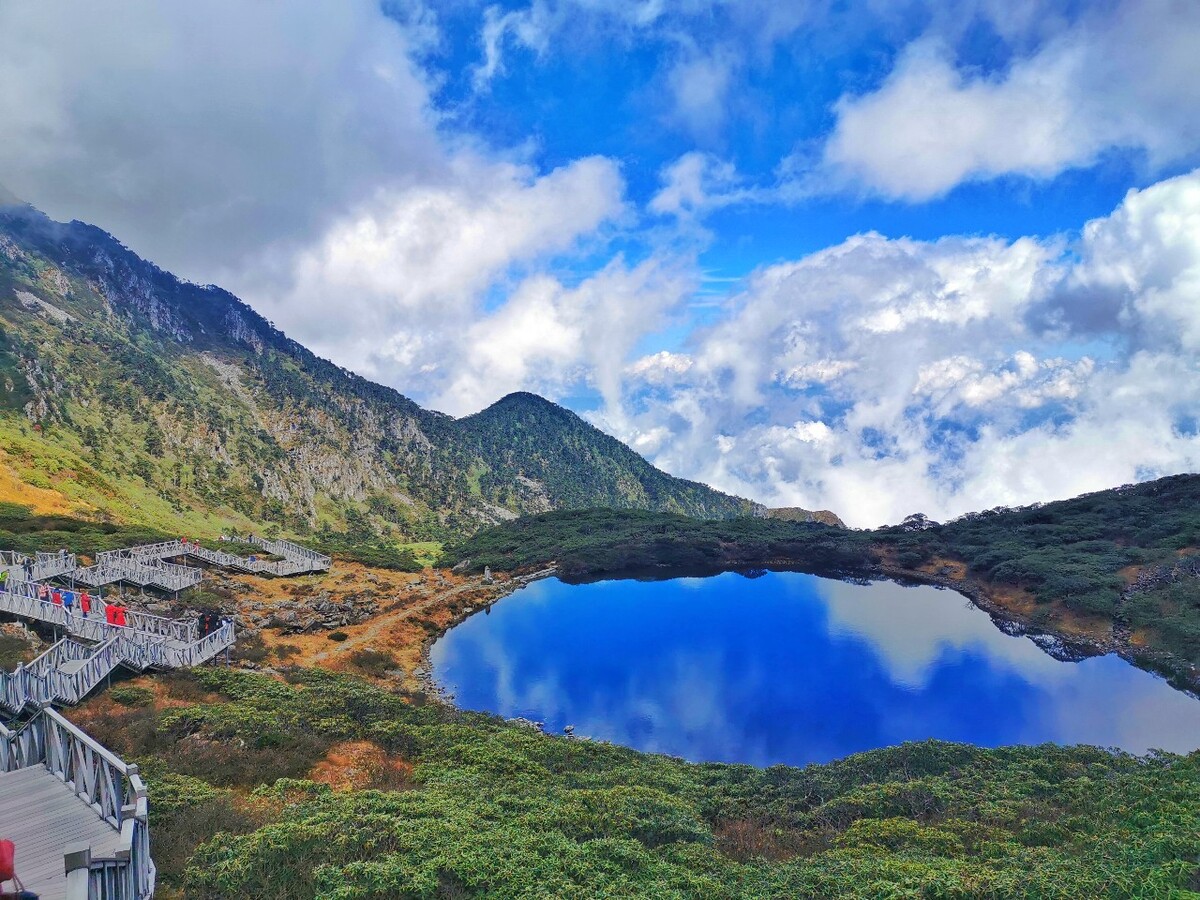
(524, 397)
(518, 400)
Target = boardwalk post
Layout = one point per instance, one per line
(77, 860)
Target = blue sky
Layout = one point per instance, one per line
(878, 256)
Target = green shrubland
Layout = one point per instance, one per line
(501, 810)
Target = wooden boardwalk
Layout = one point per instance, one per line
(41, 816)
(66, 801)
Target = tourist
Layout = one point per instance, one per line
(68, 601)
(119, 616)
(43, 593)
(85, 604)
(56, 597)
(110, 613)
(3, 579)
(28, 566)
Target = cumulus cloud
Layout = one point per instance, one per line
(549, 337)
(1140, 270)
(413, 264)
(884, 376)
(1123, 77)
(202, 133)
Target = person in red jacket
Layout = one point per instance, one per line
(56, 597)
(119, 616)
(85, 603)
(110, 614)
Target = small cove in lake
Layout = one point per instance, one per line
(791, 668)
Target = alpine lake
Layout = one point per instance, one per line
(789, 668)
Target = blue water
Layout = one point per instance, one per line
(790, 668)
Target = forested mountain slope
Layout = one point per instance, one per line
(130, 395)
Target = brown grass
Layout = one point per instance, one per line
(361, 765)
(41, 501)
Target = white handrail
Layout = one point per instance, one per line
(43, 681)
(110, 787)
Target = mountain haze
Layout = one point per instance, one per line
(128, 394)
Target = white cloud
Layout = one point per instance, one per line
(200, 133)
(699, 85)
(697, 183)
(415, 262)
(881, 377)
(550, 337)
(1140, 270)
(660, 368)
(1125, 77)
(295, 156)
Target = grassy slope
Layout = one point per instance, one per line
(1064, 567)
(465, 805)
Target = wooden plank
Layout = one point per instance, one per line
(72, 666)
(42, 816)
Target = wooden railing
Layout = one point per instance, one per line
(111, 788)
(45, 565)
(43, 681)
(23, 601)
(138, 568)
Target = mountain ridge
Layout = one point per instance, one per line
(179, 405)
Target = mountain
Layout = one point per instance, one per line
(129, 395)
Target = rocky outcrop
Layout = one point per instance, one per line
(796, 514)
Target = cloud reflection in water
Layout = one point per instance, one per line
(791, 668)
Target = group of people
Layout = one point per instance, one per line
(114, 613)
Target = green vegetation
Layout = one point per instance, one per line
(1079, 554)
(14, 650)
(598, 542)
(131, 695)
(503, 811)
(21, 530)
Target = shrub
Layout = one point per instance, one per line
(131, 695)
(373, 662)
(338, 636)
(249, 648)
